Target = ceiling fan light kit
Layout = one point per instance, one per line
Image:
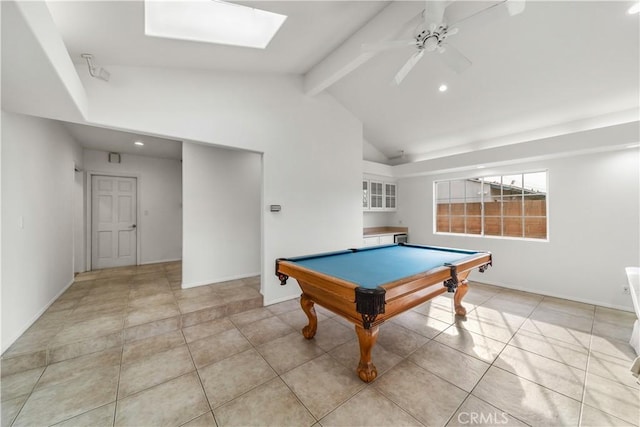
(432, 40)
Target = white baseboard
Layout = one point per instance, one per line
(217, 280)
(160, 261)
(278, 300)
(555, 295)
(142, 263)
(22, 330)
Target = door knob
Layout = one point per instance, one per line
(133, 226)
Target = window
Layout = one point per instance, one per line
(507, 206)
(211, 22)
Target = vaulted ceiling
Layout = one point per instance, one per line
(556, 67)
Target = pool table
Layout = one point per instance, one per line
(370, 285)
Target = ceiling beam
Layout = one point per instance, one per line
(38, 76)
(386, 25)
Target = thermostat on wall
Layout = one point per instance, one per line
(275, 208)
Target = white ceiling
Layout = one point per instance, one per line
(113, 31)
(558, 62)
(95, 138)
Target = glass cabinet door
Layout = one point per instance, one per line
(390, 195)
(365, 195)
(377, 195)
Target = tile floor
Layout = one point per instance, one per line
(128, 347)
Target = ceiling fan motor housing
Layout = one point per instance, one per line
(431, 40)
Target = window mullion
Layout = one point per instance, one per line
(522, 207)
(482, 207)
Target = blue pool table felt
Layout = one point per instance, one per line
(373, 267)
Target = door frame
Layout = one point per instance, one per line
(89, 217)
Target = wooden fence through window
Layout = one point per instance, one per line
(513, 218)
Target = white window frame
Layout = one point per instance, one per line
(482, 211)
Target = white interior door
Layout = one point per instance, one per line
(113, 224)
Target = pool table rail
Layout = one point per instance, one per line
(334, 294)
(339, 295)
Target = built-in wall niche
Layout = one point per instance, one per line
(378, 195)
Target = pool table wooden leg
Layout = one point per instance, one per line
(309, 331)
(367, 339)
(461, 291)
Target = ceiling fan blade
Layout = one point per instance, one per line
(454, 59)
(460, 12)
(386, 45)
(434, 13)
(408, 66)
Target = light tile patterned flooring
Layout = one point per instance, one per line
(128, 347)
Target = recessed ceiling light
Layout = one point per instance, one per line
(211, 21)
(140, 143)
(443, 88)
(634, 9)
(480, 167)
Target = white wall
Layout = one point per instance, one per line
(593, 228)
(379, 219)
(160, 195)
(312, 148)
(371, 154)
(222, 211)
(38, 158)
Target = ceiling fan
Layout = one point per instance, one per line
(434, 25)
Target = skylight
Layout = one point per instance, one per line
(211, 21)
